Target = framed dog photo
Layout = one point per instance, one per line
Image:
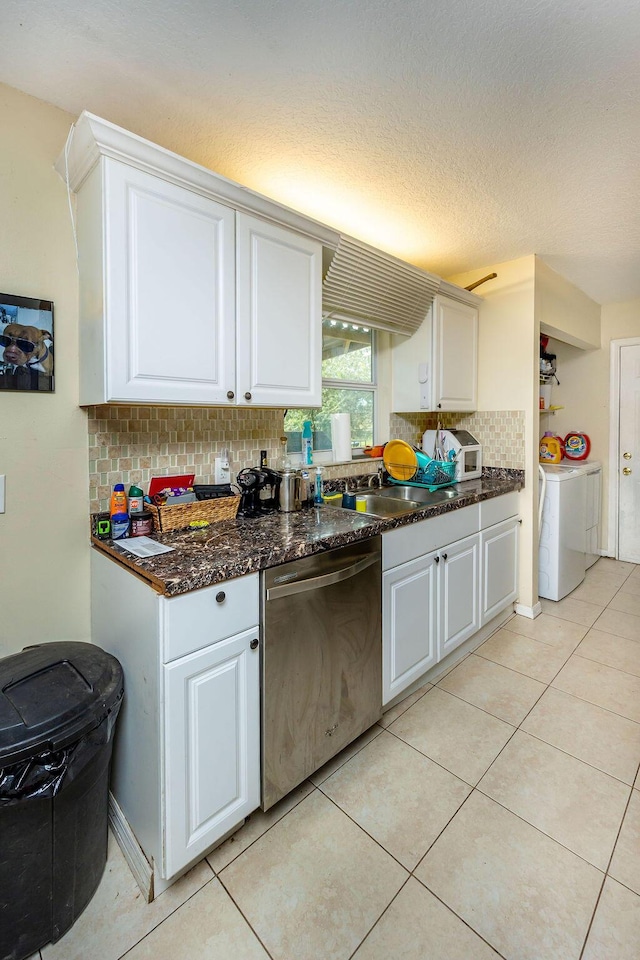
(26, 344)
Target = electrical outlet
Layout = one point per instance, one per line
(222, 470)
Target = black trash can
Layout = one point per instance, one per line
(58, 707)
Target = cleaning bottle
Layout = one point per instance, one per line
(550, 449)
(317, 495)
(307, 443)
(135, 499)
(118, 513)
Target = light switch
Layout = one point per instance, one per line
(2, 479)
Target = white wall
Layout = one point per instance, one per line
(44, 533)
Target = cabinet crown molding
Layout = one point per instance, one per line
(91, 138)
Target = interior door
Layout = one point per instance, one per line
(629, 455)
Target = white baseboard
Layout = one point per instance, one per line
(131, 849)
(530, 612)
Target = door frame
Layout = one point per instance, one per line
(614, 439)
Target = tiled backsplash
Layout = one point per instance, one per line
(133, 444)
(500, 432)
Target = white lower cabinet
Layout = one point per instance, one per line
(433, 601)
(186, 759)
(459, 610)
(212, 745)
(429, 607)
(409, 617)
(499, 546)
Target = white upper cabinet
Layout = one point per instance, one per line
(279, 316)
(437, 367)
(193, 289)
(157, 290)
(455, 355)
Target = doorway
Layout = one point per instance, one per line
(624, 472)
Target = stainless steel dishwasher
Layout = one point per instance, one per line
(321, 660)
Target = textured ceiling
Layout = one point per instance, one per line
(452, 133)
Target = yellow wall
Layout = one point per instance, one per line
(44, 549)
(508, 380)
(566, 313)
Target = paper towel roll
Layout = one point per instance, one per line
(341, 436)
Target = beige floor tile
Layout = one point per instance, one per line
(336, 762)
(551, 630)
(400, 797)
(605, 686)
(575, 804)
(254, 826)
(625, 865)
(418, 927)
(600, 575)
(627, 602)
(618, 623)
(454, 733)
(615, 651)
(494, 688)
(396, 711)
(538, 660)
(632, 583)
(601, 590)
(576, 611)
(118, 916)
(313, 885)
(619, 568)
(207, 927)
(521, 891)
(601, 738)
(615, 933)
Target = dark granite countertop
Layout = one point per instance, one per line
(232, 548)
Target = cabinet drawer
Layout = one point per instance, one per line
(498, 509)
(195, 620)
(416, 539)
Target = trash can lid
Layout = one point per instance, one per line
(52, 694)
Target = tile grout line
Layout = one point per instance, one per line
(246, 919)
(606, 874)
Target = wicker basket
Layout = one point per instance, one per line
(179, 516)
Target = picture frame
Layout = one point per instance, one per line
(26, 344)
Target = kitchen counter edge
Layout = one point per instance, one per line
(234, 548)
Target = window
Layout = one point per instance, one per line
(348, 386)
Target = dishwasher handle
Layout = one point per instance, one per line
(314, 583)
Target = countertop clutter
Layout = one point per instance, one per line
(232, 548)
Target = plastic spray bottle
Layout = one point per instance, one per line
(307, 444)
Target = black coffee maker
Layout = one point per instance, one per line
(260, 491)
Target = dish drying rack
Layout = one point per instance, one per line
(432, 474)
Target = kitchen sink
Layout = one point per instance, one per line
(397, 501)
(420, 494)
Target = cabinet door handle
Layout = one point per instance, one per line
(627, 455)
(444, 556)
(230, 394)
(254, 644)
(221, 596)
(439, 406)
(437, 559)
(626, 471)
(247, 395)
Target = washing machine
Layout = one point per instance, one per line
(566, 549)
